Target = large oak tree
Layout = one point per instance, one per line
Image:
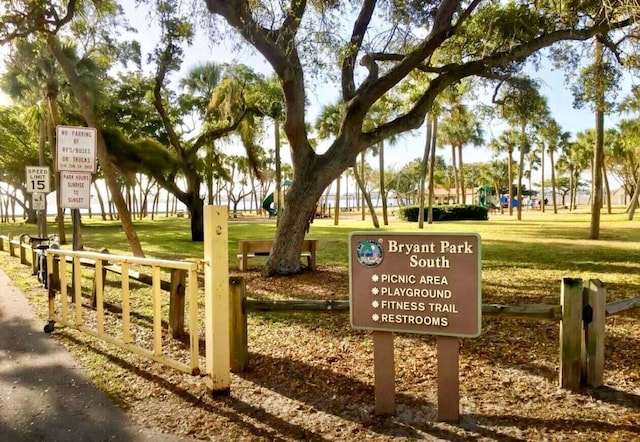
(382, 44)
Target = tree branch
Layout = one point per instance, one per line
(278, 46)
(35, 21)
(360, 27)
(161, 73)
(454, 72)
(609, 44)
(213, 135)
(439, 33)
(465, 15)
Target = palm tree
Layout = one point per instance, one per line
(597, 85)
(458, 128)
(496, 173)
(34, 79)
(533, 161)
(552, 135)
(629, 134)
(326, 125)
(522, 105)
(200, 83)
(576, 157)
(507, 142)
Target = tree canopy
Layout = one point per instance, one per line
(372, 47)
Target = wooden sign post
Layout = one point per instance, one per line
(416, 283)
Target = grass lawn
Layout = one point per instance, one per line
(526, 258)
(310, 375)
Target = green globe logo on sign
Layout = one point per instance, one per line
(369, 253)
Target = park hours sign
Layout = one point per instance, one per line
(416, 283)
(76, 149)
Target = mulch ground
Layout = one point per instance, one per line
(311, 377)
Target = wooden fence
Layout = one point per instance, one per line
(581, 313)
(175, 285)
(62, 315)
(184, 280)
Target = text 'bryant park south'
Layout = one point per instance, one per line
(420, 283)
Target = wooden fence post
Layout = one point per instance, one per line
(34, 261)
(571, 333)
(12, 247)
(23, 250)
(176, 303)
(103, 273)
(595, 305)
(216, 299)
(238, 325)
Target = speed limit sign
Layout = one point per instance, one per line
(37, 179)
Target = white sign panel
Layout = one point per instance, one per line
(38, 179)
(75, 190)
(37, 201)
(76, 149)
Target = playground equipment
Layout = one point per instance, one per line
(268, 203)
(485, 196)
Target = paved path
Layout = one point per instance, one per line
(44, 394)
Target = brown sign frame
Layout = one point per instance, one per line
(424, 283)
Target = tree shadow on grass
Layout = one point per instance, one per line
(327, 390)
(232, 408)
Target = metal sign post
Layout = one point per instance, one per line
(76, 149)
(38, 184)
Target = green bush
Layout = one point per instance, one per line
(460, 212)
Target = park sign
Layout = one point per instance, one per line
(38, 179)
(76, 149)
(75, 190)
(427, 283)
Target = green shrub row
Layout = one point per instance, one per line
(460, 212)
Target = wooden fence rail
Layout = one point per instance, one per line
(122, 338)
(581, 313)
(533, 311)
(175, 286)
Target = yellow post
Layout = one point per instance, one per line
(126, 305)
(216, 290)
(194, 338)
(157, 312)
(77, 289)
(64, 300)
(99, 296)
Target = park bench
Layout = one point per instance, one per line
(260, 248)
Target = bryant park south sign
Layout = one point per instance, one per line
(416, 283)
